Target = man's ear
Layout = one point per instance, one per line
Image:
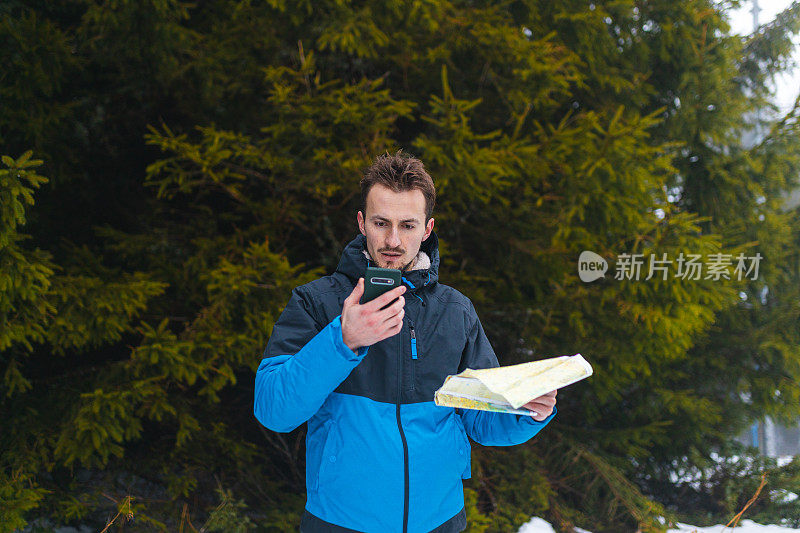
(360, 219)
(428, 228)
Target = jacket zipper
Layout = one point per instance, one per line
(413, 345)
(402, 434)
(411, 385)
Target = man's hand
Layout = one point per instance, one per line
(364, 325)
(542, 406)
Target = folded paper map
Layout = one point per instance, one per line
(507, 388)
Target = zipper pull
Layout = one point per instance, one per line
(413, 344)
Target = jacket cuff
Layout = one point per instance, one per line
(341, 347)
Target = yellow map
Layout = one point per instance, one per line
(468, 403)
(508, 388)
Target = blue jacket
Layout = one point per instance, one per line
(380, 455)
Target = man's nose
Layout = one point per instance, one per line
(393, 239)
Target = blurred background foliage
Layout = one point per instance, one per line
(172, 170)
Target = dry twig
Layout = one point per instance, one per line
(735, 520)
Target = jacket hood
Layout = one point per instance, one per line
(354, 262)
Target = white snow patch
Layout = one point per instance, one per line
(537, 525)
(783, 496)
(745, 526)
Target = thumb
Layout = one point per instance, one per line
(358, 290)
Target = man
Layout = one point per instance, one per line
(380, 455)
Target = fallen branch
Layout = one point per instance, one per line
(735, 520)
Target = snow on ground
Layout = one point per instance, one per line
(745, 526)
(537, 525)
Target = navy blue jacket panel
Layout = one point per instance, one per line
(380, 455)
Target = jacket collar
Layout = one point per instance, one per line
(354, 262)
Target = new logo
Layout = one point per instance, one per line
(591, 266)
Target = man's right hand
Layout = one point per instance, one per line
(364, 325)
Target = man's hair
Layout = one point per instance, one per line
(399, 172)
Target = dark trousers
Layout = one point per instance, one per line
(313, 524)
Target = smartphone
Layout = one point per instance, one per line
(380, 280)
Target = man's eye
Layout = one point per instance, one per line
(409, 226)
(379, 223)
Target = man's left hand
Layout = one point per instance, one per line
(543, 405)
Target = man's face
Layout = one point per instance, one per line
(394, 225)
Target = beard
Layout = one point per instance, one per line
(409, 265)
(404, 268)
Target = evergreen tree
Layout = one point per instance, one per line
(204, 161)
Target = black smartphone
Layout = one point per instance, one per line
(380, 280)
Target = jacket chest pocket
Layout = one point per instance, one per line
(429, 356)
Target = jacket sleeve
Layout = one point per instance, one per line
(304, 362)
(487, 427)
